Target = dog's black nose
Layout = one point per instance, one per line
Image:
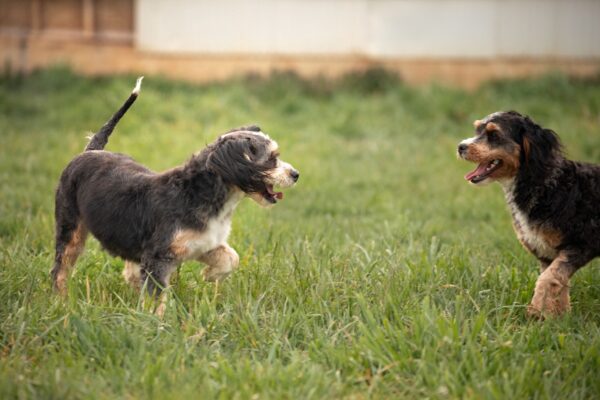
(295, 175)
(462, 148)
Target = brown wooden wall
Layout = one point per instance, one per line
(98, 37)
(110, 20)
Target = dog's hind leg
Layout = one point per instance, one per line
(70, 242)
(71, 234)
(220, 262)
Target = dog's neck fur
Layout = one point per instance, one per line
(206, 190)
(524, 191)
(529, 184)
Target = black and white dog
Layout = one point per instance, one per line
(554, 202)
(154, 221)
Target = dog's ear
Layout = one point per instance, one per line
(540, 147)
(231, 159)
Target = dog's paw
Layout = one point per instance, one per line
(214, 275)
(534, 313)
(551, 297)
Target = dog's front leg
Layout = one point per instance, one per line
(220, 262)
(551, 296)
(155, 274)
(132, 275)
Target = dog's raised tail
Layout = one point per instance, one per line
(100, 138)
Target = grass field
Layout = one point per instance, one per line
(382, 274)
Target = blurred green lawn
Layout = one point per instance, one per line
(382, 274)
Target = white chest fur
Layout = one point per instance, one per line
(190, 244)
(531, 235)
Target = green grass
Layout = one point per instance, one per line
(382, 274)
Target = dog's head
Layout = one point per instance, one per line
(249, 160)
(507, 144)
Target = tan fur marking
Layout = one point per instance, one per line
(162, 306)
(552, 237)
(273, 146)
(132, 274)
(492, 127)
(477, 123)
(72, 251)
(549, 238)
(526, 148)
(479, 153)
(179, 246)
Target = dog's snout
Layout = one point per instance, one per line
(462, 148)
(295, 175)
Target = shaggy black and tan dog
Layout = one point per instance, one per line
(155, 221)
(554, 202)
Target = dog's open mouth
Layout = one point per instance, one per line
(271, 195)
(483, 170)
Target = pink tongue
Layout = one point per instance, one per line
(479, 171)
(277, 195)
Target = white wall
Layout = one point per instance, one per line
(376, 28)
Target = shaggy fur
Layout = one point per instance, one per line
(554, 202)
(155, 221)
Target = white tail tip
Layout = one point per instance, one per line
(138, 86)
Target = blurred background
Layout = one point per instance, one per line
(458, 42)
